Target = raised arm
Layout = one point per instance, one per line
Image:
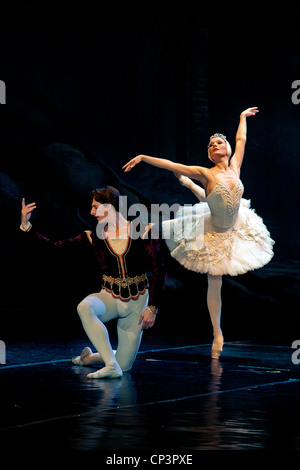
(26, 215)
(82, 240)
(196, 172)
(240, 139)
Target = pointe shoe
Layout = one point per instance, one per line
(78, 361)
(217, 348)
(113, 371)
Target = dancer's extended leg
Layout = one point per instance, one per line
(214, 303)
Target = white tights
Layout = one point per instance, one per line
(214, 303)
(97, 309)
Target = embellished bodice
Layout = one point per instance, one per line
(224, 204)
(123, 263)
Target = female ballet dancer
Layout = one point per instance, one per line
(235, 239)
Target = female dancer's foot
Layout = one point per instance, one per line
(217, 346)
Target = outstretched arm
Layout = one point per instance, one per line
(240, 139)
(196, 172)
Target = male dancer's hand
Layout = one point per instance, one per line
(26, 212)
(147, 319)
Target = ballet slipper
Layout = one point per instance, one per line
(217, 347)
(79, 360)
(112, 371)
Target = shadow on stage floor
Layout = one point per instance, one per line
(175, 400)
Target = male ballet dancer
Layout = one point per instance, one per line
(125, 293)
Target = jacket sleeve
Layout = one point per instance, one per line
(158, 266)
(69, 245)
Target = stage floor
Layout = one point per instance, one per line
(176, 400)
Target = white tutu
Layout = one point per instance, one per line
(199, 246)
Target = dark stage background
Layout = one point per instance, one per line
(87, 88)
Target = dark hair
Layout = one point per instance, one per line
(108, 195)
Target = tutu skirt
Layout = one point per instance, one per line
(199, 246)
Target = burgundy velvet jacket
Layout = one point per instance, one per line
(141, 255)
